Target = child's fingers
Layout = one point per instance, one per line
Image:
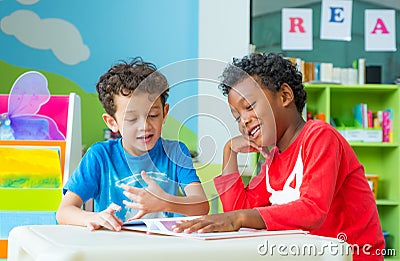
(113, 207)
(147, 179)
(131, 196)
(184, 226)
(131, 189)
(111, 222)
(132, 204)
(138, 215)
(91, 227)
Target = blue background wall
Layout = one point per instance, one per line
(161, 32)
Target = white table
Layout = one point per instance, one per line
(71, 243)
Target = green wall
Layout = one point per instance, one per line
(266, 35)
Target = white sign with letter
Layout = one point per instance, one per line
(336, 19)
(380, 30)
(297, 29)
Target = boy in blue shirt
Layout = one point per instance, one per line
(134, 97)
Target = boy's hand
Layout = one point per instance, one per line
(242, 144)
(146, 200)
(107, 219)
(213, 223)
(239, 144)
(225, 222)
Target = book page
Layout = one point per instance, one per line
(164, 226)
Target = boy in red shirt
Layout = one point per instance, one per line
(311, 179)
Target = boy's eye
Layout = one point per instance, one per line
(131, 120)
(153, 115)
(250, 106)
(237, 119)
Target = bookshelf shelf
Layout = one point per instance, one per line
(378, 158)
(27, 204)
(386, 202)
(374, 144)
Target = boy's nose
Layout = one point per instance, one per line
(144, 124)
(245, 119)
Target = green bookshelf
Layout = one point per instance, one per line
(380, 158)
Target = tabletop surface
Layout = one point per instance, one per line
(60, 242)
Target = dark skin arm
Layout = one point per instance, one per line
(233, 220)
(225, 222)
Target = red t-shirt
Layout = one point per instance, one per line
(335, 199)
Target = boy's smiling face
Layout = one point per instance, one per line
(253, 108)
(139, 118)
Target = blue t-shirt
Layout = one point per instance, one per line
(106, 164)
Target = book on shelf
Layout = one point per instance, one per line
(359, 65)
(363, 116)
(387, 135)
(164, 226)
(325, 72)
(309, 72)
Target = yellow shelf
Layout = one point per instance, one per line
(30, 199)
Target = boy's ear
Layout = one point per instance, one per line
(286, 94)
(166, 109)
(110, 122)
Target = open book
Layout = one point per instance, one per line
(163, 226)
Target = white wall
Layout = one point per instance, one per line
(224, 33)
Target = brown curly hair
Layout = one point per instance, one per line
(125, 77)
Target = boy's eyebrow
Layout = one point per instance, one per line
(130, 111)
(152, 107)
(155, 106)
(244, 99)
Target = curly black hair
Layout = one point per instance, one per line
(125, 77)
(272, 69)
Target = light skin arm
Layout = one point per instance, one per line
(155, 199)
(70, 213)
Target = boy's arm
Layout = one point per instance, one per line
(223, 222)
(234, 195)
(155, 199)
(70, 212)
(229, 160)
(194, 203)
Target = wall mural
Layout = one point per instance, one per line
(73, 42)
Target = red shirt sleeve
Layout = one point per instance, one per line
(235, 196)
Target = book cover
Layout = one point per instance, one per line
(317, 71)
(377, 119)
(387, 126)
(361, 71)
(358, 115)
(326, 72)
(370, 119)
(164, 226)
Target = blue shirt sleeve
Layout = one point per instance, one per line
(85, 180)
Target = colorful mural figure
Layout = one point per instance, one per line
(22, 121)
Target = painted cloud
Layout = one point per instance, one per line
(58, 35)
(27, 2)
